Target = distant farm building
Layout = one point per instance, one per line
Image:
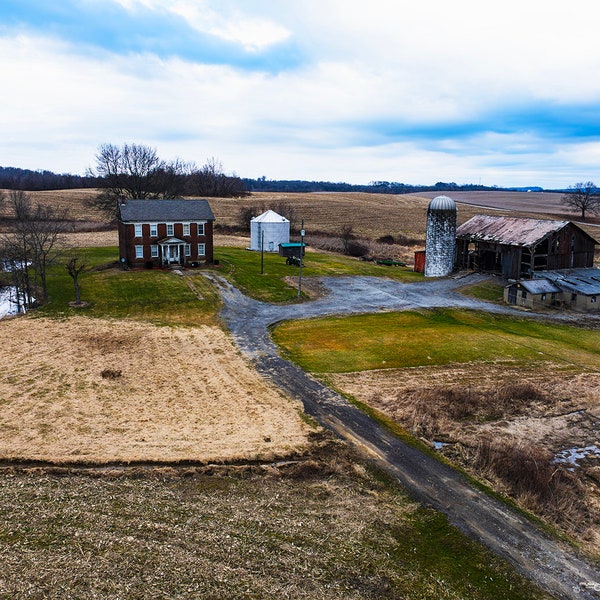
(578, 289)
(165, 232)
(440, 240)
(269, 230)
(517, 248)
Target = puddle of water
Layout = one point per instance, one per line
(7, 304)
(572, 456)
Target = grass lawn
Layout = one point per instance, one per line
(438, 337)
(155, 296)
(489, 291)
(243, 269)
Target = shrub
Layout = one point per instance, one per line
(356, 249)
(531, 475)
(386, 239)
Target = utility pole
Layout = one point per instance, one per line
(262, 252)
(301, 257)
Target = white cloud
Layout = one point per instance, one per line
(363, 78)
(233, 25)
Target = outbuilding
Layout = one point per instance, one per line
(532, 293)
(516, 248)
(577, 289)
(269, 230)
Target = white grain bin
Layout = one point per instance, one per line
(272, 229)
(440, 241)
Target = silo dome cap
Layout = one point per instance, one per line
(442, 203)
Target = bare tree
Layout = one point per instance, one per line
(583, 197)
(211, 181)
(287, 210)
(31, 245)
(75, 268)
(136, 171)
(346, 235)
(247, 213)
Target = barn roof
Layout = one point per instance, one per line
(511, 231)
(165, 210)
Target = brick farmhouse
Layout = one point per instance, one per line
(159, 233)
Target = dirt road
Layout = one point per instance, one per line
(554, 567)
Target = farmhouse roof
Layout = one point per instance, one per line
(270, 216)
(578, 281)
(165, 210)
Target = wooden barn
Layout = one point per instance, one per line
(155, 233)
(516, 248)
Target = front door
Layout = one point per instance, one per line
(174, 254)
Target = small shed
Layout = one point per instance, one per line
(269, 230)
(532, 293)
(419, 261)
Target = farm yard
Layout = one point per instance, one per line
(500, 396)
(145, 375)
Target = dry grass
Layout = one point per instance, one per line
(504, 424)
(323, 529)
(182, 394)
(74, 202)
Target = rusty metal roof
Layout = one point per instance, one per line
(512, 231)
(579, 281)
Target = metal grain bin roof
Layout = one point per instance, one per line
(442, 203)
(511, 231)
(165, 210)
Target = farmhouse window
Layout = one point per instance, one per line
(201, 249)
(543, 296)
(138, 230)
(573, 297)
(153, 230)
(154, 251)
(524, 294)
(139, 251)
(186, 229)
(188, 250)
(200, 228)
(593, 299)
(170, 229)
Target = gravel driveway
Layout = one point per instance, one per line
(552, 566)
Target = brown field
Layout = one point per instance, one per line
(370, 215)
(96, 391)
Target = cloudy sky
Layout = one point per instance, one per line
(499, 93)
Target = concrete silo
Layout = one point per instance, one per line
(269, 230)
(440, 241)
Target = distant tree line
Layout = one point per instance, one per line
(13, 178)
(262, 184)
